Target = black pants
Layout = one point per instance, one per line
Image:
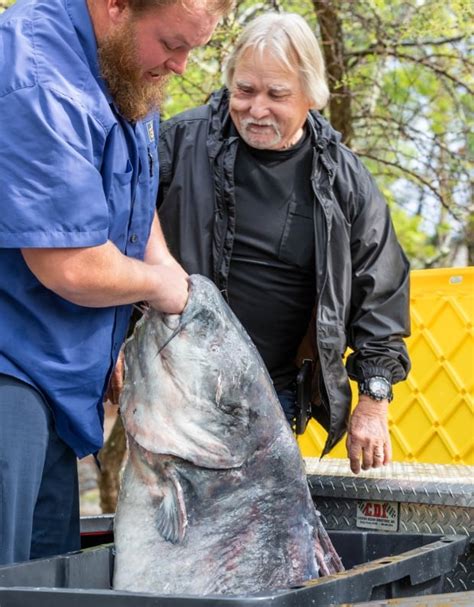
(39, 496)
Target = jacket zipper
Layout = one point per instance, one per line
(218, 265)
(322, 363)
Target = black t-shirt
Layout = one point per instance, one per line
(271, 283)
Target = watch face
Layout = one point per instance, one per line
(379, 387)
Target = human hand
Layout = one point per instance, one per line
(368, 437)
(116, 380)
(172, 294)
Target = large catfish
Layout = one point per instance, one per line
(214, 498)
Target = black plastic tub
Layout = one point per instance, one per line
(453, 599)
(379, 566)
(97, 530)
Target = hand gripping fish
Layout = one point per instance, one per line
(214, 497)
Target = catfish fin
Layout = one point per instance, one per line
(171, 516)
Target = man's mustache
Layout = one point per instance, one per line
(251, 121)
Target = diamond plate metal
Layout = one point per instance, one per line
(447, 485)
(453, 473)
(462, 578)
(423, 518)
(431, 499)
(337, 513)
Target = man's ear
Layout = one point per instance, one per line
(116, 8)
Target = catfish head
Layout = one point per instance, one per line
(192, 382)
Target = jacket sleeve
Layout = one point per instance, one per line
(379, 313)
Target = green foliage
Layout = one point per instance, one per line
(417, 245)
(410, 74)
(204, 72)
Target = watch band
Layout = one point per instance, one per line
(377, 387)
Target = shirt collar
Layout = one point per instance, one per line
(82, 23)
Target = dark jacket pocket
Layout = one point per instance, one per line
(297, 242)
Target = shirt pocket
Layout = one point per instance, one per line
(123, 178)
(297, 241)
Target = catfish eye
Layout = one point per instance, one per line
(229, 407)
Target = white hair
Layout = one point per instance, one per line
(290, 40)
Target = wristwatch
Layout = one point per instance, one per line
(376, 387)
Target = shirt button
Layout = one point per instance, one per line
(133, 238)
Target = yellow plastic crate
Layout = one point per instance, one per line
(432, 414)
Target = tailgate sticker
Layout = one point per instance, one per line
(377, 515)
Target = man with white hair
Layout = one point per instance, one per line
(258, 193)
(80, 88)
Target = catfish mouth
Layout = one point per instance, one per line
(178, 330)
(201, 303)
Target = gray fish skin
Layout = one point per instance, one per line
(214, 497)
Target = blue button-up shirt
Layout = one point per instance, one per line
(73, 173)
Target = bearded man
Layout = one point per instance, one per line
(81, 83)
(258, 193)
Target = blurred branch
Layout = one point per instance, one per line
(425, 182)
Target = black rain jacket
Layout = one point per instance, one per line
(362, 275)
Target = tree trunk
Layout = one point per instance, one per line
(470, 240)
(332, 37)
(111, 459)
